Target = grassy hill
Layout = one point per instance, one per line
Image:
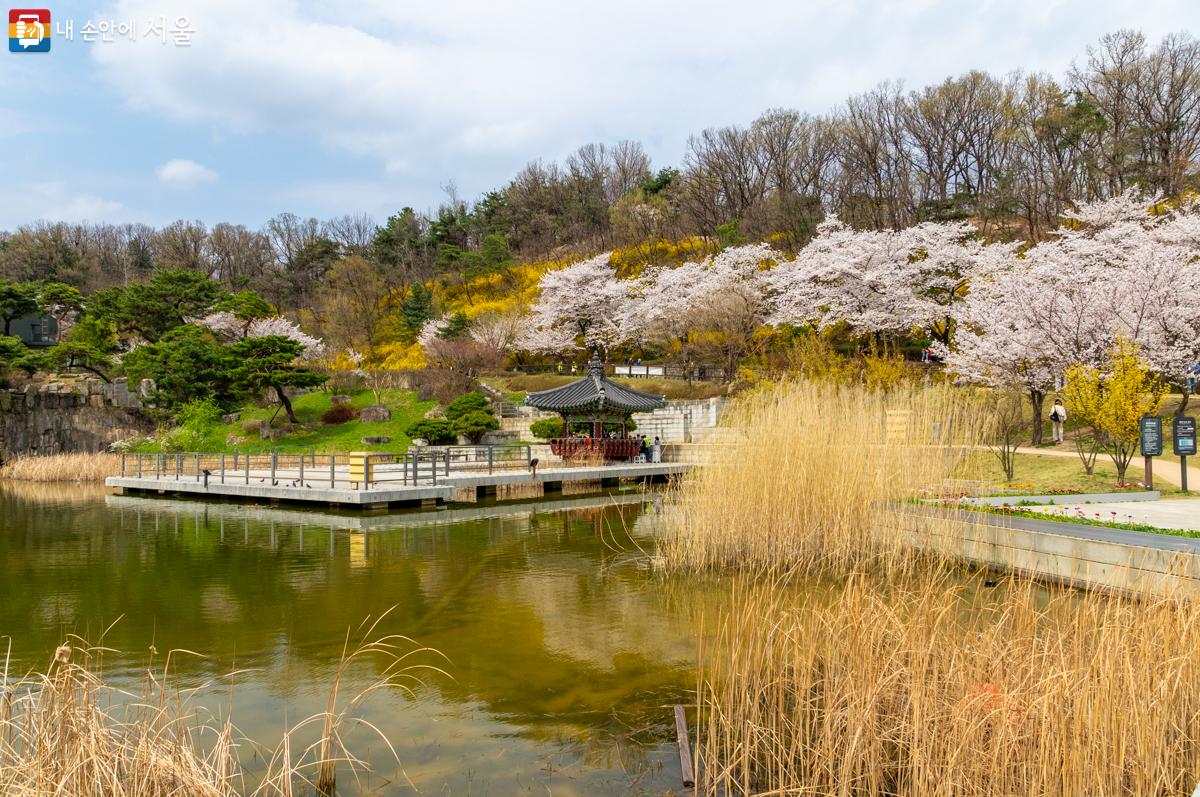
(325, 438)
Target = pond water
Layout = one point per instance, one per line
(563, 652)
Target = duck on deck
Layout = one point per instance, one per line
(595, 401)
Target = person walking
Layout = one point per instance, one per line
(656, 450)
(1058, 417)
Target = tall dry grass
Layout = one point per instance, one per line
(66, 731)
(815, 469)
(62, 468)
(938, 687)
(852, 661)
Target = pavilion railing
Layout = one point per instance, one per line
(598, 447)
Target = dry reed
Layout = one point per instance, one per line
(814, 474)
(938, 687)
(62, 468)
(849, 662)
(68, 732)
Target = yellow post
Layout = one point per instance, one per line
(360, 470)
(897, 426)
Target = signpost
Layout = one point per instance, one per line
(897, 427)
(1150, 441)
(1184, 434)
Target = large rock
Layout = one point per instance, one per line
(339, 399)
(376, 413)
(376, 441)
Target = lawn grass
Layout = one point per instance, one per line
(325, 438)
(1038, 475)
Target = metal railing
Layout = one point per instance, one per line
(479, 458)
(415, 467)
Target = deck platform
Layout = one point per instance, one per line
(338, 491)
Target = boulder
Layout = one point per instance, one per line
(232, 417)
(376, 441)
(376, 413)
(339, 399)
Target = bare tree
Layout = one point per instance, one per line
(353, 233)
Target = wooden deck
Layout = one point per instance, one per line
(338, 491)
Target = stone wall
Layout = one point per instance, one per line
(682, 421)
(68, 417)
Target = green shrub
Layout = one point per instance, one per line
(436, 430)
(547, 428)
(467, 403)
(474, 425)
(195, 421)
(339, 413)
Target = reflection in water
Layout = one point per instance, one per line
(563, 651)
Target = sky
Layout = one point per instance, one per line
(327, 108)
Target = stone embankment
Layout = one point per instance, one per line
(86, 415)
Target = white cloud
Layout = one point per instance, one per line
(472, 89)
(183, 173)
(23, 203)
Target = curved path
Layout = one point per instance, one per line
(1167, 470)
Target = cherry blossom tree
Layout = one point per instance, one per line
(997, 345)
(582, 304)
(882, 282)
(1123, 267)
(723, 300)
(230, 328)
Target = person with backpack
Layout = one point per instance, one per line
(1058, 418)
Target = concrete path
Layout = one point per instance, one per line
(1183, 513)
(1165, 470)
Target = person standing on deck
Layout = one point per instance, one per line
(1058, 418)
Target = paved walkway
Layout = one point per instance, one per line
(1182, 513)
(1165, 470)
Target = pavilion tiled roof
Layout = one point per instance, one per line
(594, 393)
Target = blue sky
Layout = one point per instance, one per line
(325, 108)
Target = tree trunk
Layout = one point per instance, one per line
(1122, 455)
(1037, 399)
(1182, 408)
(287, 404)
(7, 326)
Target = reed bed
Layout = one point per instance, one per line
(850, 660)
(51, 493)
(936, 687)
(66, 731)
(817, 475)
(77, 468)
